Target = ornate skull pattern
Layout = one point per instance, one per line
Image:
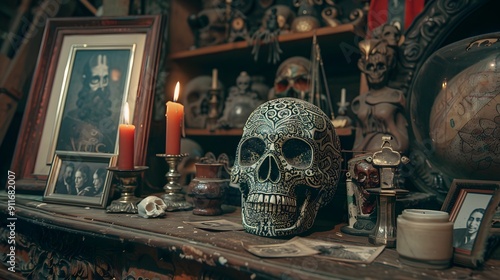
(287, 166)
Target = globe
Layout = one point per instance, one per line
(456, 111)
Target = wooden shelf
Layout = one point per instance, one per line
(346, 131)
(346, 29)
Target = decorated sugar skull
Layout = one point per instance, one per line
(287, 166)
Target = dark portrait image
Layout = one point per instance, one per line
(98, 180)
(66, 182)
(466, 226)
(82, 178)
(94, 100)
(464, 238)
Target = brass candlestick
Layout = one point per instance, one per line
(128, 181)
(174, 197)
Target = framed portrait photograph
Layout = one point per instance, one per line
(78, 179)
(472, 205)
(87, 70)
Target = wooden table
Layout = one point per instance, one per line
(90, 243)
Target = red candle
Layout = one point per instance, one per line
(175, 119)
(126, 142)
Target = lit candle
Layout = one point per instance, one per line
(175, 119)
(126, 142)
(214, 78)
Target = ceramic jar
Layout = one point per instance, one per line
(425, 238)
(207, 189)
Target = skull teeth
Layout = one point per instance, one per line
(271, 208)
(272, 199)
(271, 203)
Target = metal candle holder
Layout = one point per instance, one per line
(128, 181)
(384, 232)
(387, 160)
(174, 197)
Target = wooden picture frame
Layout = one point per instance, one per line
(67, 47)
(471, 205)
(78, 179)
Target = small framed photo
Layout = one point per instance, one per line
(471, 205)
(78, 179)
(87, 70)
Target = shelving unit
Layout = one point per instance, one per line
(339, 50)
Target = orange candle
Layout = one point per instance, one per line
(175, 119)
(126, 142)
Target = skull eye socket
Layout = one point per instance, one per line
(251, 150)
(297, 153)
(381, 66)
(150, 207)
(361, 177)
(301, 84)
(282, 85)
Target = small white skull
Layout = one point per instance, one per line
(151, 207)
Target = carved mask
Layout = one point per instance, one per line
(391, 34)
(287, 165)
(292, 78)
(376, 62)
(367, 177)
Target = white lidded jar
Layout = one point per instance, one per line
(425, 238)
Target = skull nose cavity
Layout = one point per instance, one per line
(269, 170)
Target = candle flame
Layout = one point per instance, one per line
(126, 113)
(176, 92)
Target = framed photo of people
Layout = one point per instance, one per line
(471, 205)
(87, 70)
(77, 179)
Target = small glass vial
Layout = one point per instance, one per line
(425, 238)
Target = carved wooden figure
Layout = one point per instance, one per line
(380, 111)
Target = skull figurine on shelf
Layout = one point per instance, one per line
(151, 207)
(240, 103)
(195, 97)
(287, 166)
(292, 78)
